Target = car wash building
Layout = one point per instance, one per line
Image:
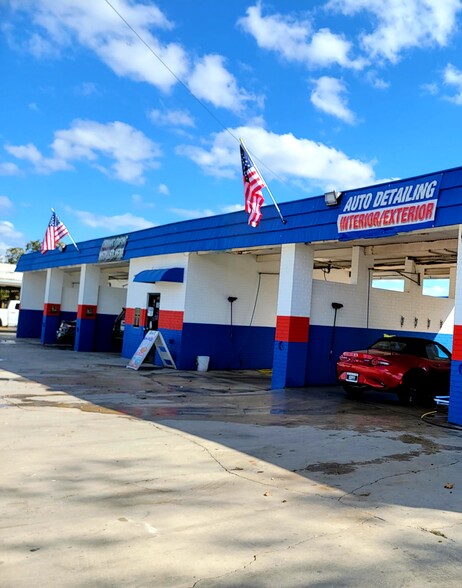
(288, 297)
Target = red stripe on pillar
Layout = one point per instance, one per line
(130, 315)
(457, 343)
(171, 319)
(86, 311)
(292, 329)
(50, 309)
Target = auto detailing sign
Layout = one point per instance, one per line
(391, 209)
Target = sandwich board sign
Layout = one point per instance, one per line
(151, 339)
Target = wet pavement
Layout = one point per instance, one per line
(115, 477)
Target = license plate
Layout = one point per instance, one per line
(351, 377)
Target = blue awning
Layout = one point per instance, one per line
(169, 274)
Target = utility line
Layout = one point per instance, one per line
(180, 81)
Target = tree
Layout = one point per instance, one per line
(13, 254)
(33, 246)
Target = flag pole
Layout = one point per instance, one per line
(266, 185)
(69, 235)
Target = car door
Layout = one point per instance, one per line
(439, 361)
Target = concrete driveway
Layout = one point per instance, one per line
(111, 477)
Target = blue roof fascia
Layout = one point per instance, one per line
(308, 221)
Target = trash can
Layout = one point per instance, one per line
(202, 362)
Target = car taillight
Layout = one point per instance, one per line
(344, 357)
(376, 361)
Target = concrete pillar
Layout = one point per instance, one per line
(52, 305)
(293, 316)
(360, 266)
(452, 282)
(455, 401)
(412, 277)
(361, 275)
(87, 307)
(31, 308)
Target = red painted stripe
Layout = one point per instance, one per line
(86, 311)
(457, 343)
(50, 309)
(130, 317)
(292, 329)
(171, 319)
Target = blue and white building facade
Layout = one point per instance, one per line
(287, 297)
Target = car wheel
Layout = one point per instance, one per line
(352, 391)
(412, 390)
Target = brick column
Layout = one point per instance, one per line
(52, 305)
(293, 316)
(87, 306)
(455, 400)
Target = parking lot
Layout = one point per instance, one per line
(115, 477)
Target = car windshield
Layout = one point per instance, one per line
(390, 345)
(410, 346)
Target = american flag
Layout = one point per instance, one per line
(56, 230)
(253, 185)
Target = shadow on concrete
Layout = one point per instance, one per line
(362, 455)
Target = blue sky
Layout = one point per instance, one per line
(335, 94)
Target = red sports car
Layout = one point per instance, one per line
(414, 368)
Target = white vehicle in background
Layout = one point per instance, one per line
(9, 315)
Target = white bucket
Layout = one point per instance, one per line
(202, 362)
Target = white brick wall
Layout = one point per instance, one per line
(213, 278)
(33, 290)
(171, 293)
(111, 300)
(385, 308)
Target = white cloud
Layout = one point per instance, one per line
(87, 89)
(163, 189)
(328, 97)
(232, 208)
(140, 56)
(96, 26)
(5, 204)
(115, 223)
(431, 88)
(131, 151)
(402, 25)
(9, 237)
(9, 169)
(286, 156)
(139, 202)
(453, 77)
(190, 213)
(174, 118)
(295, 40)
(40, 163)
(210, 80)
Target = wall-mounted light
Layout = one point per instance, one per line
(429, 322)
(231, 299)
(401, 321)
(416, 321)
(332, 198)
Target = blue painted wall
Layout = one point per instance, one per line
(29, 324)
(103, 333)
(228, 347)
(455, 406)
